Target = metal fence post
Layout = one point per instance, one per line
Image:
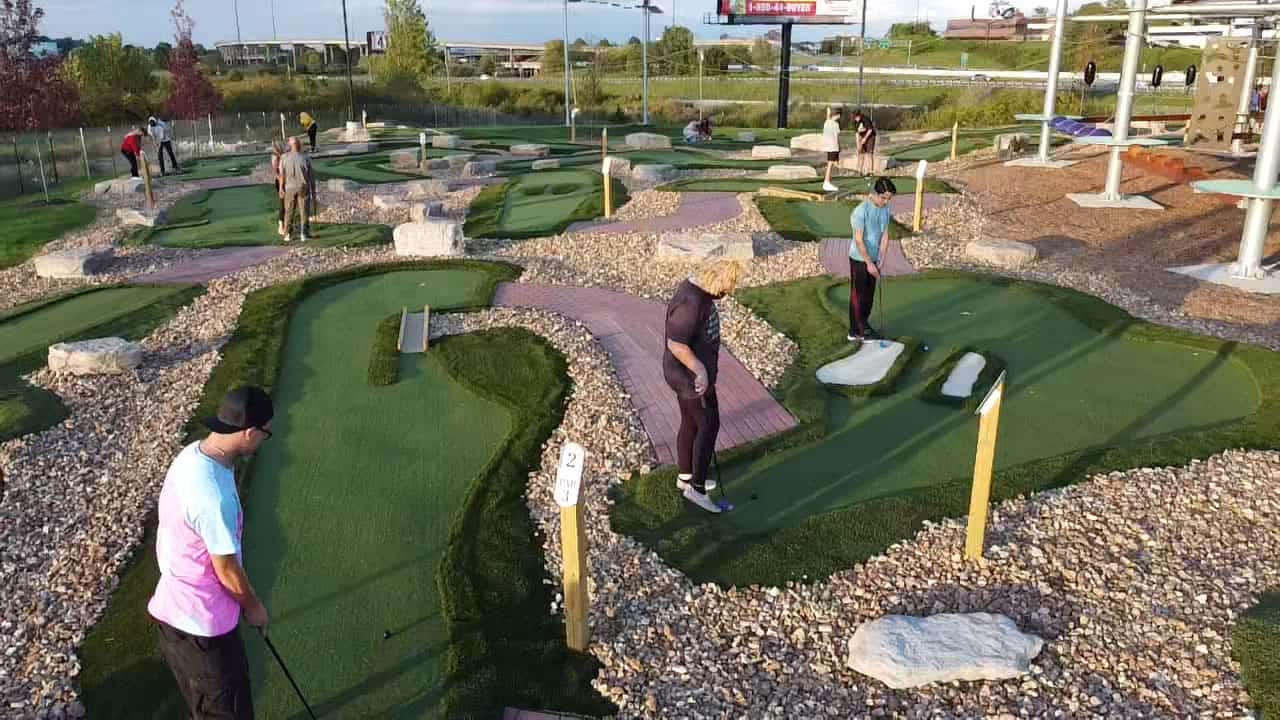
(17, 163)
(53, 159)
(109, 152)
(84, 150)
(44, 182)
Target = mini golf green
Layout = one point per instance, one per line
(379, 508)
(29, 222)
(27, 331)
(810, 221)
(679, 158)
(245, 216)
(846, 184)
(371, 168)
(540, 204)
(220, 167)
(966, 142)
(1091, 389)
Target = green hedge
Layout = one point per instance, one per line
(1255, 644)
(384, 357)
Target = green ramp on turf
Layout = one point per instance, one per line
(861, 474)
(905, 185)
(242, 216)
(29, 222)
(540, 204)
(26, 332)
(810, 221)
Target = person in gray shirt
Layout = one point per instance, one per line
(297, 188)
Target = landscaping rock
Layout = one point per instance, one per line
(649, 141)
(421, 212)
(792, 172)
(360, 148)
(1009, 254)
(426, 188)
(120, 186)
(448, 142)
(480, 168)
(404, 159)
(770, 152)
(106, 356)
(431, 238)
(77, 263)
(746, 137)
(810, 142)
(619, 167)
(390, 202)
(129, 216)
(459, 161)
(652, 173)
(341, 185)
(701, 246)
(438, 164)
(905, 652)
(531, 150)
(877, 164)
(550, 164)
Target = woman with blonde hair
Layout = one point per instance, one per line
(690, 364)
(277, 154)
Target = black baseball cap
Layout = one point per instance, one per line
(241, 409)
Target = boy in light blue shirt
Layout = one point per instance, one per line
(870, 222)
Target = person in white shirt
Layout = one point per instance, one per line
(162, 134)
(831, 144)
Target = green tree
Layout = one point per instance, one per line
(412, 56)
(488, 65)
(676, 55)
(553, 58)
(715, 59)
(763, 54)
(604, 43)
(113, 80)
(910, 30)
(160, 56)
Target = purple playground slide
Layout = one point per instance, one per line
(1074, 128)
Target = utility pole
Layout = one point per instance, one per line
(274, 36)
(644, 61)
(702, 54)
(568, 118)
(351, 87)
(236, 8)
(862, 48)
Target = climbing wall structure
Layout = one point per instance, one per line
(1218, 88)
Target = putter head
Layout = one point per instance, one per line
(725, 505)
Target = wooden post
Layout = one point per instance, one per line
(426, 328)
(608, 187)
(84, 150)
(988, 428)
(955, 138)
(53, 159)
(917, 217)
(604, 143)
(146, 179)
(17, 165)
(44, 182)
(573, 541)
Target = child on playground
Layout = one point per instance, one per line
(870, 221)
(831, 144)
(866, 136)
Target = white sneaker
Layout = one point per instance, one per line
(701, 500)
(304, 238)
(830, 187)
(682, 483)
(280, 228)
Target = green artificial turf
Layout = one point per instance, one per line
(540, 204)
(220, 167)
(679, 158)
(26, 332)
(966, 142)
(1255, 644)
(810, 221)
(29, 223)
(246, 216)
(846, 184)
(379, 508)
(384, 356)
(1091, 389)
(371, 168)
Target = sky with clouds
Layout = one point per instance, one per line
(146, 22)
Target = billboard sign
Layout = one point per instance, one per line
(376, 42)
(815, 12)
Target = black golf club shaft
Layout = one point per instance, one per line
(271, 646)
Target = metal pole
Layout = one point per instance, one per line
(236, 6)
(1051, 85)
(644, 62)
(53, 159)
(1246, 87)
(784, 77)
(273, 28)
(209, 117)
(351, 88)
(17, 164)
(568, 119)
(862, 48)
(1266, 171)
(112, 154)
(701, 57)
(84, 150)
(43, 181)
(1124, 105)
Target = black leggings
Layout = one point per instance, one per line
(862, 295)
(696, 441)
(133, 162)
(280, 199)
(311, 135)
(167, 146)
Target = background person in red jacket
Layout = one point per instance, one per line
(130, 148)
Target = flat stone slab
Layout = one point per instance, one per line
(141, 218)
(1036, 162)
(809, 142)
(447, 142)
(404, 159)
(438, 164)
(434, 238)
(695, 247)
(423, 211)
(793, 172)
(959, 384)
(104, 356)
(907, 652)
(531, 150)
(120, 186)
(1009, 254)
(648, 141)
(1223, 274)
(868, 366)
(1128, 202)
(426, 188)
(652, 173)
(76, 263)
(341, 185)
(211, 264)
(770, 152)
(549, 164)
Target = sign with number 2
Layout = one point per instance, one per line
(569, 475)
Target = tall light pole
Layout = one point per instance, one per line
(568, 117)
(351, 88)
(644, 65)
(702, 56)
(273, 21)
(862, 48)
(236, 9)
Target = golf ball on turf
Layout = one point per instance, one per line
(386, 634)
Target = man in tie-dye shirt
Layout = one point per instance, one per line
(203, 588)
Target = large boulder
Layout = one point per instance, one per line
(459, 161)
(106, 356)
(906, 652)
(694, 247)
(77, 263)
(120, 186)
(141, 218)
(404, 159)
(770, 152)
(480, 168)
(423, 211)
(792, 172)
(390, 202)
(341, 185)
(746, 137)
(648, 141)
(1008, 254)
(431, 238)
(426, 188)
(652, 173)
(811, 142)
(619, 167)
(549, 164)
(531, 150)
(447, 142)
(876, 164)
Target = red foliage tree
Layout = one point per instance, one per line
(191, 95)
(34, 93)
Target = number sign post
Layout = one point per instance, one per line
(573, 541)
(988, 428)
(917, 220)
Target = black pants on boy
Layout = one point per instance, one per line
(167, 146)
(212, 673)
(133, 162)
(311, 135)
(861, 297)
(696, 441)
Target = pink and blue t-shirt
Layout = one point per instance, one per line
(199, 516)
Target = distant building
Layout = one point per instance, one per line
(44, 48)
(1014, 28)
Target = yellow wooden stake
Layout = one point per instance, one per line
(426, 328)
(955, 138)
(146, 179)
(988, 429)
(573, 538)
(604, 144)
(917, 218)
(608, 192)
